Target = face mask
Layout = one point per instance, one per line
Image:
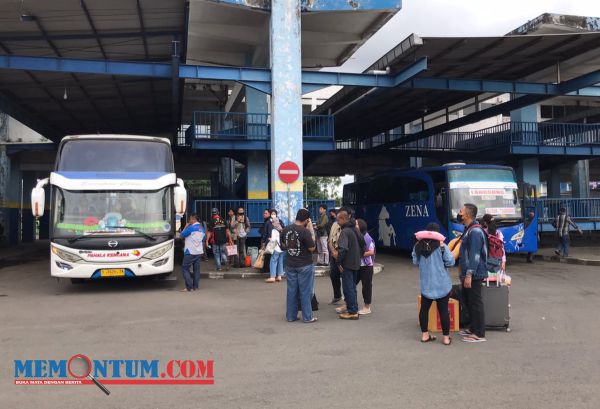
(459, 218)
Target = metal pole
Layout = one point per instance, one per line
(289, 203)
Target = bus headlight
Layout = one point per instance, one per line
(65, 255)
(156, 253)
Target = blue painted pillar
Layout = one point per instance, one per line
(524, 126)
(286, 83)
(580, 179)
(257, 168)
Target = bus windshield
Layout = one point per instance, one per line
(493, 191)
(114, 155)
(78, 213)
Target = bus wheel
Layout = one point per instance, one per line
(77, 281)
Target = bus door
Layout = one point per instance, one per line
(440, 196)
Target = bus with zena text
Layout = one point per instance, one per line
(397, 203)
(113, 201)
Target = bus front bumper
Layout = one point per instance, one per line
(61, 268)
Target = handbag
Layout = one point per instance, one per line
(231, 250)
(260, 260)
(271, 246)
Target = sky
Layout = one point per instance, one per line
(456, 18)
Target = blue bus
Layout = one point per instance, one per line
(397, 203)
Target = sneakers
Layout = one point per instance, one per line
(557, 252)
(473, 339)
(335, 301)
(341, 310)
(364, 311)
(465, 333)
(349, 316)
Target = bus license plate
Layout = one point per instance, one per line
(112, 272)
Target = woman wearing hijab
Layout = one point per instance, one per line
(433, 257)
(277, 258)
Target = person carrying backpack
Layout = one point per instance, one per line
(219, 236)
(351, 247)
(433, 258)
(496, 261)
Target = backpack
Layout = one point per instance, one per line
(495, 247)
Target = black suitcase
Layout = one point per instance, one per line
(463, 311)
(313, 302)
(496, 305)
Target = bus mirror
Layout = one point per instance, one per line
(38, 198)
(180, 197)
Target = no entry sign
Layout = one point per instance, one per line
(288, 172)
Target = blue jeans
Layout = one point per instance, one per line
(300, 280)
(220, 253)
(564, 243)
(276, 264)
(191, 279)
(349, 286)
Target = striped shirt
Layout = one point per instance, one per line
(562, 223)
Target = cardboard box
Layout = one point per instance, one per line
(434, 317)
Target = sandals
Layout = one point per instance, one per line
(341, 310)
(278, 278)
(431, 338)
(270, 280)
(449, 342)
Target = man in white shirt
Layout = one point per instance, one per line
(194, 235)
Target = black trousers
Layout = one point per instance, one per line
(474, 301)
(365, 274)
(336, 278)
(442, 307)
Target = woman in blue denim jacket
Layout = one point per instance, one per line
(433, 257)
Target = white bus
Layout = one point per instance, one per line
(113, 206)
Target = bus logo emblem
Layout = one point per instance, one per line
(113, 243)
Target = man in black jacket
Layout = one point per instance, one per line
(348, 254)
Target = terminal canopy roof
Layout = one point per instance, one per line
(58, 104)
(361, 113)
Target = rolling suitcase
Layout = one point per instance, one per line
(496, 305)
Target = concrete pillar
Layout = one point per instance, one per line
(4, 209)
(257, 181)
(227, 175)
(553, 183)
(528, 171)
(580, 179)
(286, 84)
(258, 175)
(524, 124)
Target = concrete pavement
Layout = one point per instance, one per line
(549, 359)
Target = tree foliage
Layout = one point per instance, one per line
(322, 187)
